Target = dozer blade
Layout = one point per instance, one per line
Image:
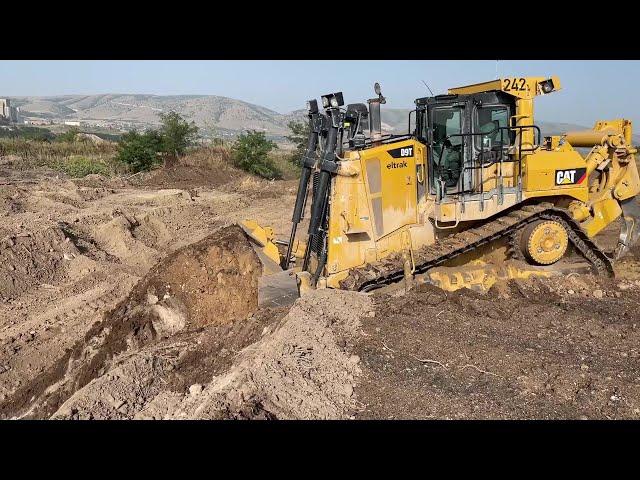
(630, 231)
(276, 287)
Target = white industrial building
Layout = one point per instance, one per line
(7, 112)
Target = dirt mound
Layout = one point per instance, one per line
(213, 281)
(185, 177)
(298, 366)
(29, 259)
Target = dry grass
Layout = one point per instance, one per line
(208, 157)
(80, 158)
(63, 156)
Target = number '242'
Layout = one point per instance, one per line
(519, 84)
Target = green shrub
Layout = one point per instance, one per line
(78, 166)
(140, 151)
(177, 134)
(68, 136)
(250, 152)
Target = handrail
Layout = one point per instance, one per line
(520, 128)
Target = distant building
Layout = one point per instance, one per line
(72, 123)
(37, 121)
(7, 112)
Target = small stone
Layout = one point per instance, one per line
(354, 359)
(584, 367)
(571, 292)
(371, 314)
(195, 389)
(66, 256)
(152, 299)
(348, 390)
(598, 293)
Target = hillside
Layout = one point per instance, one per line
(214, 115)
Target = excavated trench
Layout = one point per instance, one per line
(211, 283)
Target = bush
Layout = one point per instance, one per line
(140, 151)
(69, 136)
(177, 134)
(78, 166)
(250, 152)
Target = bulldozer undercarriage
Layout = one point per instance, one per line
(509, 226)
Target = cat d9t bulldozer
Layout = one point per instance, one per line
(471, 184)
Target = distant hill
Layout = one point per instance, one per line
(214, 115)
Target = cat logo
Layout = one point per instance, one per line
(572, 176)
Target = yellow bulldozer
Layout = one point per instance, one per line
(470, 194)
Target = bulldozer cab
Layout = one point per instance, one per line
(463, 134)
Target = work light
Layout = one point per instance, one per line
(334, 99)
(546, 86)
(312, 106)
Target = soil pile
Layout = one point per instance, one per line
(213, 281)
(29, 259)
(299, 366)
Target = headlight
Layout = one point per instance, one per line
(334, 102)
(325, 102)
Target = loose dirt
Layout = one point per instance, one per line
(136, 298)
(552, 348)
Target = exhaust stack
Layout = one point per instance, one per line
(375, 119)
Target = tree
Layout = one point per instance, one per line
(140, 151)
(250, 152)
(177, 134)
(299, 134)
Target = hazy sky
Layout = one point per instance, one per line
(591, 89)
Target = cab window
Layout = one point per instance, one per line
(447, 122)
(491, 121)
